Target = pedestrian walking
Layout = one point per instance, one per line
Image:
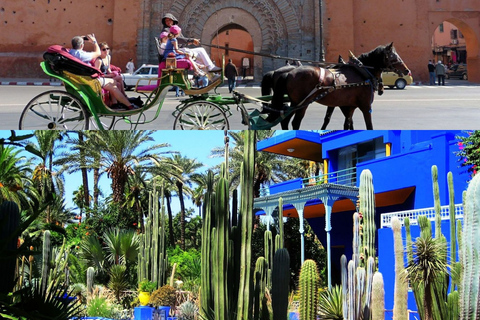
(431, 72)
(440, 71)
(130, 66)
(231, 73)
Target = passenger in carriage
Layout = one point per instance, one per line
(106, 83)
(163, 43)
(171, 48)
(103, 63)
(197, 53)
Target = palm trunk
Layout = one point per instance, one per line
(171, 236)
(182, 215)
(86, 191)
(96, 177)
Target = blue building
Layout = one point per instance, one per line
(400, 162)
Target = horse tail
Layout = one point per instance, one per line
(267, 83)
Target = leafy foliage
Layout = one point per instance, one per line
(469, 152)
(330, 304)
(147, 286)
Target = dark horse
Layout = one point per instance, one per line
(348, 86)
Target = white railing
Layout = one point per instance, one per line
(412, 215)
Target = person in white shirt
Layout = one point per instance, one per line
(130, 66)
(108, 84)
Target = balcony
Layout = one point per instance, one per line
(345, 177)
(412, 215)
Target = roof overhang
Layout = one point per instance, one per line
(299, 144)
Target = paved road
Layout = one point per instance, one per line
(454, 106)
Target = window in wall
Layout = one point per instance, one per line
(440, 27)
(453, 34)
(227, 45)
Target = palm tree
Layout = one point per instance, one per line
(48, 180)
(120, 153)
(136, 195)
(74, 160)
(188, 167)
(198, 194)
(15, 183)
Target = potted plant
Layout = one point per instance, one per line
(163, 299)
(145, 287)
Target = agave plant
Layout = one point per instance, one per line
(330, 304)
(34, 303)
(188, 311)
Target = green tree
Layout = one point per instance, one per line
(121, 152)
(15, 182)
(188, 170)
(469, 152)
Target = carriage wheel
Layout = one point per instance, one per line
(54, 110)
(201, 115)
(108, 122)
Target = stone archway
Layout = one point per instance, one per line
(463, 22)
(272, 30)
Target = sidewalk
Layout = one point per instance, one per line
(28, 82)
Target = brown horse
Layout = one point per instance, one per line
(348, 86)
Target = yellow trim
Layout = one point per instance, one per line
(325, 170)
(388, 149)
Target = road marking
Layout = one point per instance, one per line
(421, 100)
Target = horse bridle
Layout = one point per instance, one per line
(392, 59)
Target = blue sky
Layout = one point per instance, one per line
(192, 144)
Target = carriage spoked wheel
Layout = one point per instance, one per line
(201, 115)
(54, 110)
(108, 122)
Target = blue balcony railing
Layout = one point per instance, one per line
(345, 177)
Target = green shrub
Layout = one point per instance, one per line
(99, 307)
(147, 286)
(165, 296)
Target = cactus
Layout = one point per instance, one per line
(280, 281)
(152, 257)
(46, 257)
(9, 223)
(260, 286)
(367, 210)
(90, 279)
(470, 294)
(356, 280)
(400, 309)
(268, 255)
(378, 297)
(226, 247)
(309, 279)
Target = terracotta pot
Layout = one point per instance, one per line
(144, 298)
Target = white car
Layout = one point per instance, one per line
(146, 71)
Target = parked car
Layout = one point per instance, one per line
(457, 71)
(391, 80)
(146, 71)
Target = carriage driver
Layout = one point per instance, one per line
(199, 53)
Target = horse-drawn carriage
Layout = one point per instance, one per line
(83, 104)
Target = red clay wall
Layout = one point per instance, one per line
(28, 27)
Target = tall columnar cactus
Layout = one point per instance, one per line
(367, 211)
(280, 284)
(45, 259)
(227, 277)
(400, 308)
(470, 251)
(378, 297)
(9, 223)
(357, 275)
(152, 257)
(309, 280)
(260, 304)
(90, 279)
(268, 253)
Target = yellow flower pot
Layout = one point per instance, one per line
(144, 298)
